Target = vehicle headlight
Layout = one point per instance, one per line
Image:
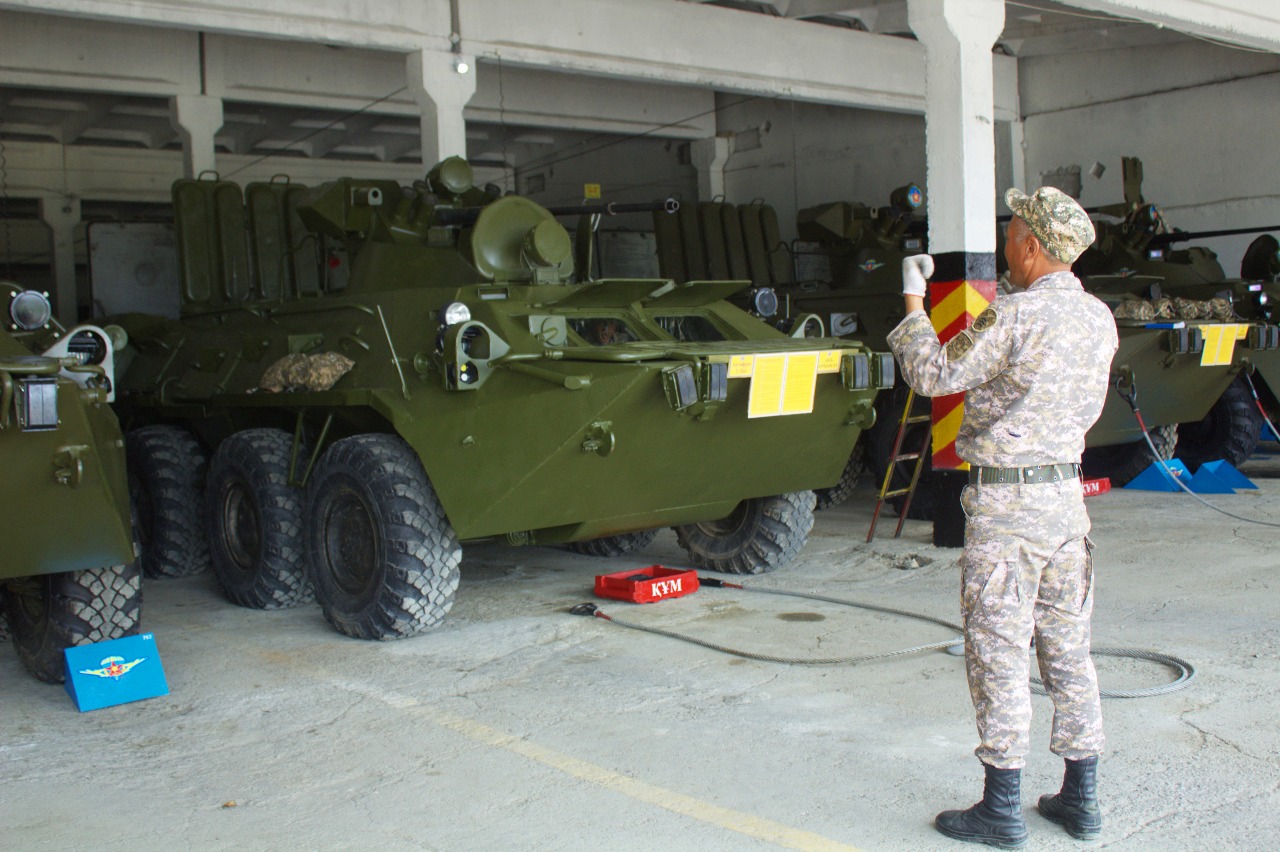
(30, 310)
(454, 313)
(765, 302)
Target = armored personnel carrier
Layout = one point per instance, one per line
(853, 295)
(1140, 264)
(69, 576)
(381, 372)
(854, 291)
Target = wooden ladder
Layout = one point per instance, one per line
(896, 457)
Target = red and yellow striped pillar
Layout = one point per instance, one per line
(963, 285)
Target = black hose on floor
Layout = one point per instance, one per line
(1131, 397)
(1184, 670)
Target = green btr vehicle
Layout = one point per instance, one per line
(381, 372)
(1139, 257)
(844, 276)
(69, 576)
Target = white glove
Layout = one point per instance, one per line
(915, 270)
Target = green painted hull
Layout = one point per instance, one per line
(550, 415)
(66, 499)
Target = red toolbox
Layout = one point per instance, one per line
(646, 585)
(1094, 487)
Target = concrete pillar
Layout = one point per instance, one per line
(960, 154)
(709, 157)
(442, 90)
(62, 215)
(197, 118)
(1018, 158)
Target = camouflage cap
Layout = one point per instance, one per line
(1060, 224)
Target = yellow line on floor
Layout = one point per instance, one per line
(726, 818)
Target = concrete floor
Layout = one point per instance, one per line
(517, 726)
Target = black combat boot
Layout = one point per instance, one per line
(997, 819)
(1076, 807)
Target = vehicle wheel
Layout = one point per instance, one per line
(4, 619)
(255, 522)
(614, 545)
(166, 483)
(842, 490)
(880, 444)
(382, 556)
(1260, 259)
(761, 534)
(1123, 462)
(50, 613)
(1229, 431)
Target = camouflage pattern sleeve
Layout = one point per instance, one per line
(971, 358)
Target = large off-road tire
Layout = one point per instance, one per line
(382, 556)
(1123, 462)
(166, 484)
(842, 490)
(255, 522)
(1260, 259)
(614, 545)
(760, 535)
(50, 613)
(1229, 431)
(880, 444)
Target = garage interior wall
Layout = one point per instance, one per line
(1201, 117)
(795, 155)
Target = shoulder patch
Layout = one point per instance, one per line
(985, 320)
(958, 346)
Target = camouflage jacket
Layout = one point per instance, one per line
(1035, 364)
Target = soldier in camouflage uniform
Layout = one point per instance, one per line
(1035, 366)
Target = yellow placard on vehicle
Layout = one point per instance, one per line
(591, 190)
(783, 384)
(740, 366)
(829, 361)
(1220, 343)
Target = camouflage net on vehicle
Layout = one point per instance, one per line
(1177, 308)
(306, 372)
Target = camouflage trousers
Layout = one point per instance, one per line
(1027, 569)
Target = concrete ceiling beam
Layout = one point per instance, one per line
(341, 134)
(1247, 23)
(51, 52)
(398, 25)
(654, 40)
(72, 127)
(44, 169)
(667, 42)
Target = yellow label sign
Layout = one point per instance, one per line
(1220, 343)
(783, 384)
(829, 361)
(740, 366)
(798, 389)
(591, 190)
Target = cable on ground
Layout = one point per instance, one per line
(1185, 671)
(1131, 396)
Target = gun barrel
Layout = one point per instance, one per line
(467, 215)
(1183, 236)
(670, 205)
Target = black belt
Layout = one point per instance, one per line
(1033, 475)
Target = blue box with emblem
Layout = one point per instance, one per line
(114, 672)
